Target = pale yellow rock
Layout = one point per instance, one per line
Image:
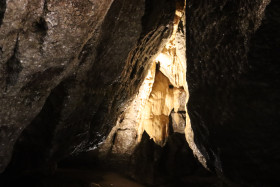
(155, 116)
(130, 119)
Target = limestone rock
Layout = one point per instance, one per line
(127, 82)
(67, 70)
(233, 77)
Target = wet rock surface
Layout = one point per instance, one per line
(150, 164)
(233, 77)
(69, 68)
(40, 46)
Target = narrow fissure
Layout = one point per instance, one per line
(161, 99)
(2, 10)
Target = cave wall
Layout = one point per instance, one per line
(163, 91)
(67, 70)
(233, 77)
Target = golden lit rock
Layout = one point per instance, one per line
(123, 137)
(155, 116)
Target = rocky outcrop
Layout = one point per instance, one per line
(68, 68)
(163, 90)
(159, 107)
(109, 79)
(233, 77)
(42, 43)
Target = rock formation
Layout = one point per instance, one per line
(233, 78)
(149, 82)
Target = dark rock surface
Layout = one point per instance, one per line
(170, 163)
(233, 77)
(151, 164)
(67, 68)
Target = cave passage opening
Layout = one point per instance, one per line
(160, 106)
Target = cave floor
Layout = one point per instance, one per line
(90, 178)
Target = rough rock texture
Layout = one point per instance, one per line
(174, 163)
(71, 71)
(233, 77)
(155, 117)
(68, 68)
(163, 91)
(79, 78)
(41, 43)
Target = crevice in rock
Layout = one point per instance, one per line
(41, 27)
(163, 90)
(45, 8)
(156, 14)
(41, 79)
(13, 68)
(32, 149)
(2, 10)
